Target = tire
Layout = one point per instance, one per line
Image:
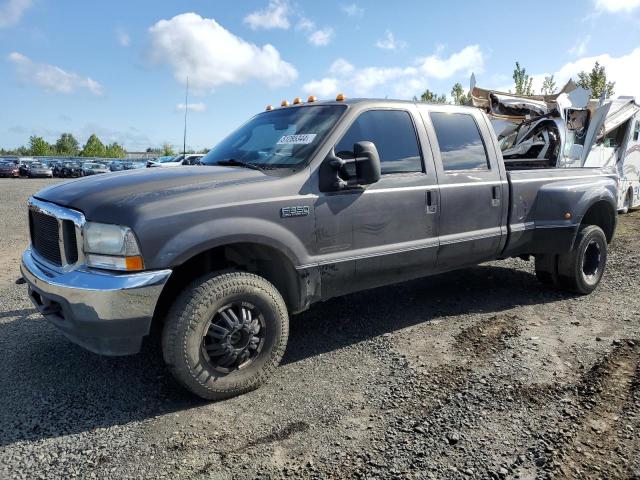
(581, 269)
(547, 269)
(199, 341)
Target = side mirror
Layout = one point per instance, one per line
(364, 166)
(367, 163)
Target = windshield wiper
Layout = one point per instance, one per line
(237, 163)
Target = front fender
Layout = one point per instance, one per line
(183, 245)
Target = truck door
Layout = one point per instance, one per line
(382, 233)
(473, 194)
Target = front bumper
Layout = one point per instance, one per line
(106, 313)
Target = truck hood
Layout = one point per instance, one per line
(133, 189)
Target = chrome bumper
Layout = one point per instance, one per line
(106, 313)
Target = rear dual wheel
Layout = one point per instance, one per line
(581, 269)
(225, 334)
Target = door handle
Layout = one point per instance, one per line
(432, 201)
(496, 195)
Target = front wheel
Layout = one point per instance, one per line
(225, 334)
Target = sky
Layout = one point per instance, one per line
(119, 68)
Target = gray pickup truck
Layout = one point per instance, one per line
(300, 204)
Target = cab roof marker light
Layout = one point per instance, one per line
(269, 107)
(284, 103)
(340, 97)
(297, 100)
(311, 99)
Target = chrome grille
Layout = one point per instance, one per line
(56, 234)
(45, 236)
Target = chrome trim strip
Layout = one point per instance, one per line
(558, 179)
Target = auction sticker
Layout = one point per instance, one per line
(302, 139)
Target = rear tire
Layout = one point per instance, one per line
(225, 334)
(581, 269)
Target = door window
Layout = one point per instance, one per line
(394, 136)
(636, 131)
(460, 142)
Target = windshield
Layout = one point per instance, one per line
(279, 138)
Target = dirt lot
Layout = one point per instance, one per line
(481, 373)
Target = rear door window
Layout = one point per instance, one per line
(460, 142)
(394, 135)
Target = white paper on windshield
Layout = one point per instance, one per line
(301, 139)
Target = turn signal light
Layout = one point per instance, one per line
(269, 107)
(284, 103)
(312, 98)
(567, 216)
(340, 97)
(134, 263)
(297, 100)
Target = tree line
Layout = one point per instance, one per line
(595, 80)
(68, 146)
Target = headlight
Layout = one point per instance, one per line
(111, 247)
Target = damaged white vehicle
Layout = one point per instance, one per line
(565, 130)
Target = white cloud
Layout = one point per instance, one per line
(321, 37)
(623, 70)
(276, 15)
(123, 38)
(195, 107)
(305, 24)
(212, 56)
(341, 67)
(580, 48)
(615, 6)
(352, 10)
(50, 77)
(470, 59)
(11, 11)
(325, 88)
(389, 42)
(403, 81)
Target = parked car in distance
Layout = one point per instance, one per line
(39, 170)
(116, 166)
(71, 170)
(94, 168)
(176, 161)
(24, 164)
(299, 205)
(9, 168)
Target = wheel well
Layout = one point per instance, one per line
(603, 215)
(262, 260)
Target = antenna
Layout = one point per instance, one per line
(186, 105)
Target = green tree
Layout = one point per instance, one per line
(67, 145)
(596, 81)
(167, 149)
(115, 151)
(38, 146)
(548, 86)
(522, 80)
(429, 96)
(93, 148)
(458, 95)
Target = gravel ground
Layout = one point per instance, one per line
(481, 373)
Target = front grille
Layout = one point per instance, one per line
(45, 236)
(70, 242)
